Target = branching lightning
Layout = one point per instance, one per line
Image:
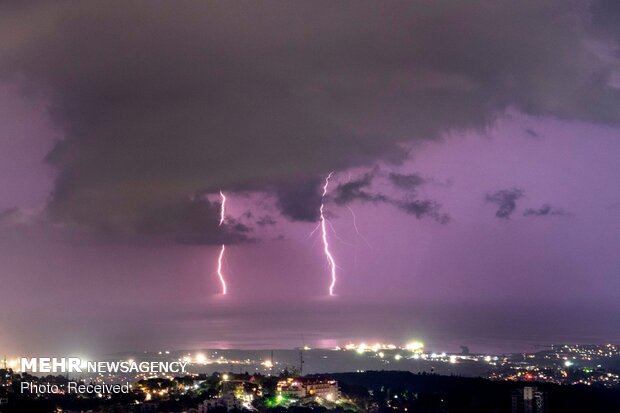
(359, 234)
(221, 256)
(328, 254)
(338, 236)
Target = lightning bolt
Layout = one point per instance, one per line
(223, 208)
(328, 254)
(219, 269)
(221, 256)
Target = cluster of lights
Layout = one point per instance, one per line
(361, 348)
(415, 346)
(414, 350)
(203, 359)
(12, 364)
(586, 352)
(568, 365)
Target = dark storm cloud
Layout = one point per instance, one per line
(544, 211)
(357, 190)
(191, 221)
(606, 16)
(408, 182)
(506, 201)
(300, 200)
(158, 100)
(239, 227)
(424, 208)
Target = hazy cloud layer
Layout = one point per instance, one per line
(159, 101)
(19, 216)
(532, 133)
(266, 220)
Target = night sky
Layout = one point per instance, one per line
(475, 195)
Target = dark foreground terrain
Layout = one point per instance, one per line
(363, 392)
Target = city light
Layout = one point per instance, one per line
(414, 346)
(201, 358)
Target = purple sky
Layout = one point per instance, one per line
(479, 156)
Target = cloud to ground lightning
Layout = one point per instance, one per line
(221, 256)
(328, 254)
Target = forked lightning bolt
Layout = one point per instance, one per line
(328, 254)
(221, 257)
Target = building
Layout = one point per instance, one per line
(528, 400)
(246, 391)
(318, 388)
(228, 401)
